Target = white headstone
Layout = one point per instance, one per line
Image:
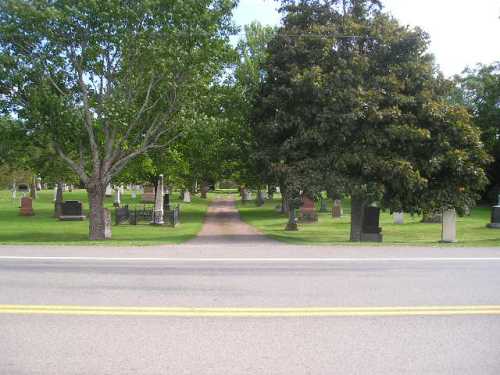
(109, 190)
(187, 197)
(158, 211)
(449, 226)
(399, 217)
(55, 192)
(118, 198)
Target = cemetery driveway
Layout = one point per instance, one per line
(223, 226)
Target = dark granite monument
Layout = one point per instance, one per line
(495, 216)
(72, 211)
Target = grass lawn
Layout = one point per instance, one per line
(42, 228)
(471, 230)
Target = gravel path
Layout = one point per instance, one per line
(223, 226)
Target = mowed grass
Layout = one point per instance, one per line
(43, 228)
(471, 230)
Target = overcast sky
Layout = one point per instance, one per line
(463, 32)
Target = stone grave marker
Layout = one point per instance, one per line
(398, 217)
(118, 198)
(449, 226)
(158, 210)
(495, 216)
(308, 210)
(72, 211)
(187, 197)
(107, 223)
(370, 230)
(26, 206)
(109, 191)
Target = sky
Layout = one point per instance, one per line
(463, 32)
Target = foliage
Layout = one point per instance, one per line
(480, 92)
(352, 99)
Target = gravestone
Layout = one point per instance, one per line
(148, 196)
(122, 215)
(173, 216)
(14, 191)
(308, 210)
(495, 216)
(337, 209)
(38, 183)
(398, 218)
(324, 205)
(187, 197)
(449, 226)
(370, 230)
(55, 192)
(109, 191)
(26, 206)
(158, 210)
(247, 195)
(118, 198)
(71, 211)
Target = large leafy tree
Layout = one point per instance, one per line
(104, 81)
(480, 92)
(353, 99)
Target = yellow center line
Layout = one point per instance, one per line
(250, 311)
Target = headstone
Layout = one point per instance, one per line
(26, 206)
(148, 196)
(324, 205)
(247, 195)
(122, 214)
(107, 223)
(370, 230)
(449, 226)
(118, 200)
(55, 192)
(495, 216)
(308, 210)
(337, 209)
(158, 210)
(173, 216)
(399, 217)
(39, 183)
(71, 211)
(109, 191)
(278, 189)
(14, 191)
(187, 197)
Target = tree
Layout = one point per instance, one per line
(104, 82)
(479, 90)
(352, 98)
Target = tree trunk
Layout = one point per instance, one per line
(99, 227)
(33, 192)
(204, 190)
(59, 200)
(357, 213)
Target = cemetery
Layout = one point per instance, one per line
(333, 228)
(27, 221)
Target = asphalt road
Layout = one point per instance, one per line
(303, 311)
